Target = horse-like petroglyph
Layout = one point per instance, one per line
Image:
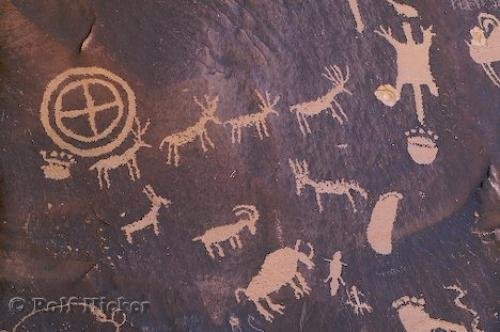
(58, 165)
(257, 120)
(327, 102)
(485, 45)
(280, 268)
(196, 131)
(339, 187)
(215, 236)
(150, 218)
(335, 275)
(355, 297)
(127, 158)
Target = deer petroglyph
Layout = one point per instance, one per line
(215, 236)
(128, 158)
(339, 187)
(196, 131)
(257, 120)
(354, 296)
(150, 218)
(335, 275)
(280, 268)
(325, 102)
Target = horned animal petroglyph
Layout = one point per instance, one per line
(215, 236)
(354, 296)
(325, 102)
(129, 158)
(280, 268)
(338, 187)
(196, 131)
(150, 218)
(257, 120)
(335, 276)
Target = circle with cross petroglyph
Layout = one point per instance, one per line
(88, 111)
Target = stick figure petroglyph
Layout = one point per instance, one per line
(150, 218)
(257, 120)
(338, 187)
(335, 276)
(196, 131)
(280, 268)
(325, 102)
(215, 236)
(58, 165)
(354, 300)
(128, 158)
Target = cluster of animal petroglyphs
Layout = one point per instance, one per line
(355, 297)
(325, 102)
(485, 43)
(257, 120)
(379, 231)
(196, 131)
(335, 275)
(458, 302)
(339, 187)
(280, 268)
(215, 236)
(150, 218)
(58, 165)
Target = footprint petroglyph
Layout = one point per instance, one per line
(213, 237)
(355, 300)
(335, 275)
(150, 218)
(196, 131)
(280, 268)
(339, 187)
(327, 102)
(58, 165)
(379, 231)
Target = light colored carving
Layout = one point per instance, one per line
(458, 302)
(338, 187)
(280, 268)
(387, 94)
(335, 276)
(402, 9)
(354, 6)
(58, 165)
(354, 300)
(215, 236)
(485, 44)
(128, 158)
(257, 120)
(196, 131)
(379, 231)
(325, 102)
(422, 145)
(414, 318)
(104, 138)
(150, 218)
(235, 324)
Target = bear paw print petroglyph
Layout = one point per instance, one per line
(58, 165)
(422, 145)
(280, 268)
(215, 236)
(340, 187)
(325, 102)
(485, 45)
(355, 297)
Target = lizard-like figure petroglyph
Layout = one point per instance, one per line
(354, 300)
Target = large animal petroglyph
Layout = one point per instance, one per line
(150, 218)
(335, 275)
(327, 102)
(280, 268)
(339, 187)
(196, 131)
(257, 120)
(379, 231)
(215, 236)
(355, 297)
(485, 45)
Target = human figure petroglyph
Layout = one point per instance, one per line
(257, 120)
(354, 6)
(354, 296)
(414, 318)
(215, 236)
(128, 158)
(280, 268)
(458, 302)
(335, 275)
(150, 218)
(338, 187)
(196, 131)
(58, 165)
(422, 145)
(485, 44)
(325, 102)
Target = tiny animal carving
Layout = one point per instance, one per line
(280, 268)
(150, 218)
(129, 158)
(325, 102)
(335, 276)
(339, 187)
(359, 307)
(215, 236)
(257, 120)
(196, 131)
